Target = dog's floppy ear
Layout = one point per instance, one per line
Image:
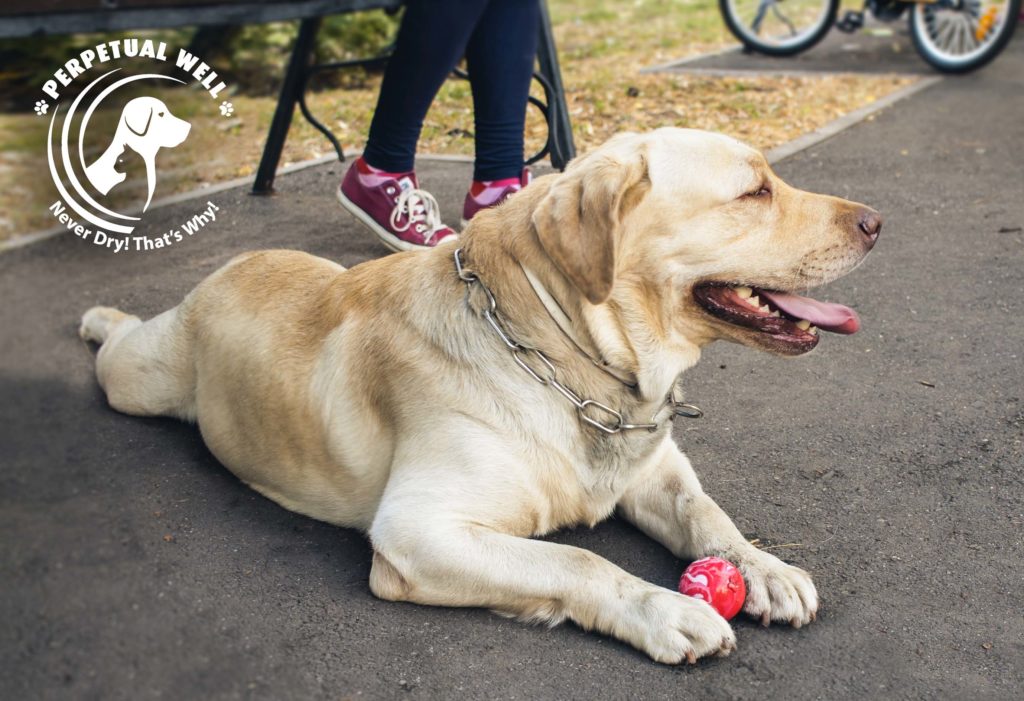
(578, 221)
(138, 120)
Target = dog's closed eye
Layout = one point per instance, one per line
(762, 191)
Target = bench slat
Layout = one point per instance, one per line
(74, 16)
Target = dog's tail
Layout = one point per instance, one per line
(98, 322)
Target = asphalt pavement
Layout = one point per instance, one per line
(878, 48)
(890, 464)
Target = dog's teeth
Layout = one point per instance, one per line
(813, 331)
(743, 292)
(754, 301)
(776, 314)
(803, 324)
(765, 308)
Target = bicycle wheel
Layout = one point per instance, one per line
(957, 36)
(779, 27)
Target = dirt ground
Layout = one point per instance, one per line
(602, 52)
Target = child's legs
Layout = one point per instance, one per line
(431, 41)
(500, 57)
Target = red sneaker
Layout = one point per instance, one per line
(393, 207)
(483, 195)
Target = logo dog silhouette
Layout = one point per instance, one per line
(146, 126)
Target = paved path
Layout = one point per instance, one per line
(904, 499)
(861, 52)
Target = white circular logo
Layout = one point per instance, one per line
(144, 127)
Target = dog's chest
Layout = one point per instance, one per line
(591, 480)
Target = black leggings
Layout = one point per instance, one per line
(499, 40)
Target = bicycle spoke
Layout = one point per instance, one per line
(972, 38)
(944, 31)
(965, 35)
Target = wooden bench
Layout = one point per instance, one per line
(30, 18)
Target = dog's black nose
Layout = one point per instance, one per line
(871, 224)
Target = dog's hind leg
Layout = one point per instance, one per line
(145, 368)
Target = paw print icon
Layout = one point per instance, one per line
(42, 107)
(227, 109)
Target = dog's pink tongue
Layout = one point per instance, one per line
(825, 315)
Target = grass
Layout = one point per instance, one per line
(602, 47)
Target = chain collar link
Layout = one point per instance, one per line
(538, 366)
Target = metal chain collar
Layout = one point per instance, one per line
(543, 371)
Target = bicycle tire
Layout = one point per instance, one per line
(752, 43)
(945, 65)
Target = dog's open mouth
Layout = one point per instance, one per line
(790, 320)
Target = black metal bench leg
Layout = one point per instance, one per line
(563, 148)
(292, 87)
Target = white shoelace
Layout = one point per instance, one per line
(422, 210)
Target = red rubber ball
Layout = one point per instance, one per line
(717, 582)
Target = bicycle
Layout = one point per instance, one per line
(954, 36)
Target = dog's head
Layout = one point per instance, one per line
(688, 237)
(147, 125)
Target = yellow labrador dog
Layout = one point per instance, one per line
(452, 403)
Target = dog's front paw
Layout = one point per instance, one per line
(777, 591)
(671, 627)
